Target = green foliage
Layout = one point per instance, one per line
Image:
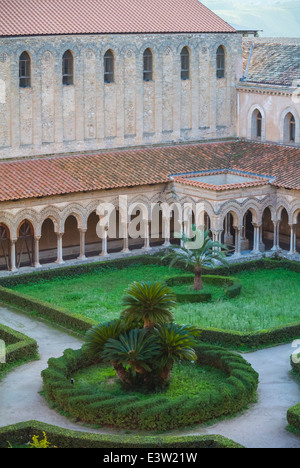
(225, 288)
(98, 335)
(150, 302)
(40, 444)
(145, 356)
(20, 434)
(176, 343)
(155, 411)
(19, 348)
(135, 350)
(254, 319)
(197, 253)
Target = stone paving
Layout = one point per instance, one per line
(263, 425)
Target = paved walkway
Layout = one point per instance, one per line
(261, 426)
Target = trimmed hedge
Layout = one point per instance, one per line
(19, 347)
(232, 287)
(293, 413)
(56, 314)
(158, 412)
(80, 324)
(22, 433)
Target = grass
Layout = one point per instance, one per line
(187, 379)
(269, 298)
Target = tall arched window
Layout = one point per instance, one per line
(25, 70)
(185, 64)
(221, 62)
(292, 128)
(68, 68)
(148, 65)
(109, 67)
(257, 125)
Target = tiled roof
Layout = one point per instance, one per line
(56, 175)
(46, 17)
(189, 179)
(274, 61)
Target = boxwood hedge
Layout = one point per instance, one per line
(293, 413)
(18, 348)
(231, 286)
(157, 413)
(22, 433)
(77, 323)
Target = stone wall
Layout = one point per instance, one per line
(51, 118)
(274, 104)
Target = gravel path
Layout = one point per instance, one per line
(261, 426)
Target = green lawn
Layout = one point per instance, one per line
(269, 298)
(186, 379)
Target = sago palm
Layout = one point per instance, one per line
(150, 302)
(199, 253)
(176, 344)
(133, 351)
(97, 336)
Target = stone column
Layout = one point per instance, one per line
(82, 244)
(60, 259)
(293, 250)
(228, 238)
(125, 238)
(167, 231)
(37, 252)
(238, 230)
(104, 252)
(146, 235)
(217, 237)
(256, 238)
(276, 236)
(13, 255)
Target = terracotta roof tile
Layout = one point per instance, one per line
(46, 17)
(63, 174)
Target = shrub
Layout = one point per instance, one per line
(158, 412)
(22, 433)
(19, 348)
(232, 287)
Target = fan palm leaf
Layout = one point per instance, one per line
(176, 343)
(150, 302)
(203, 252)
(135, 349)
(97, 336)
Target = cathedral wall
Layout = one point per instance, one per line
(49, 117)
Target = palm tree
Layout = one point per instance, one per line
(143, 356)
(134, 350)
(199, 253)
(149, 302)
(176, 345)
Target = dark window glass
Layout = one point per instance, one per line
(25, 71)
(292, 128)
(259, 125)
(220, 62)
(185, 64)
(148, 65)
(68, 68)
(108, 67)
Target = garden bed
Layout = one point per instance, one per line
(19, 348)
(215, 288)
(80, 297)
(235, 389)
(22, 433)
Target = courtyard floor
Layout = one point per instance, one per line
(263, 425)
